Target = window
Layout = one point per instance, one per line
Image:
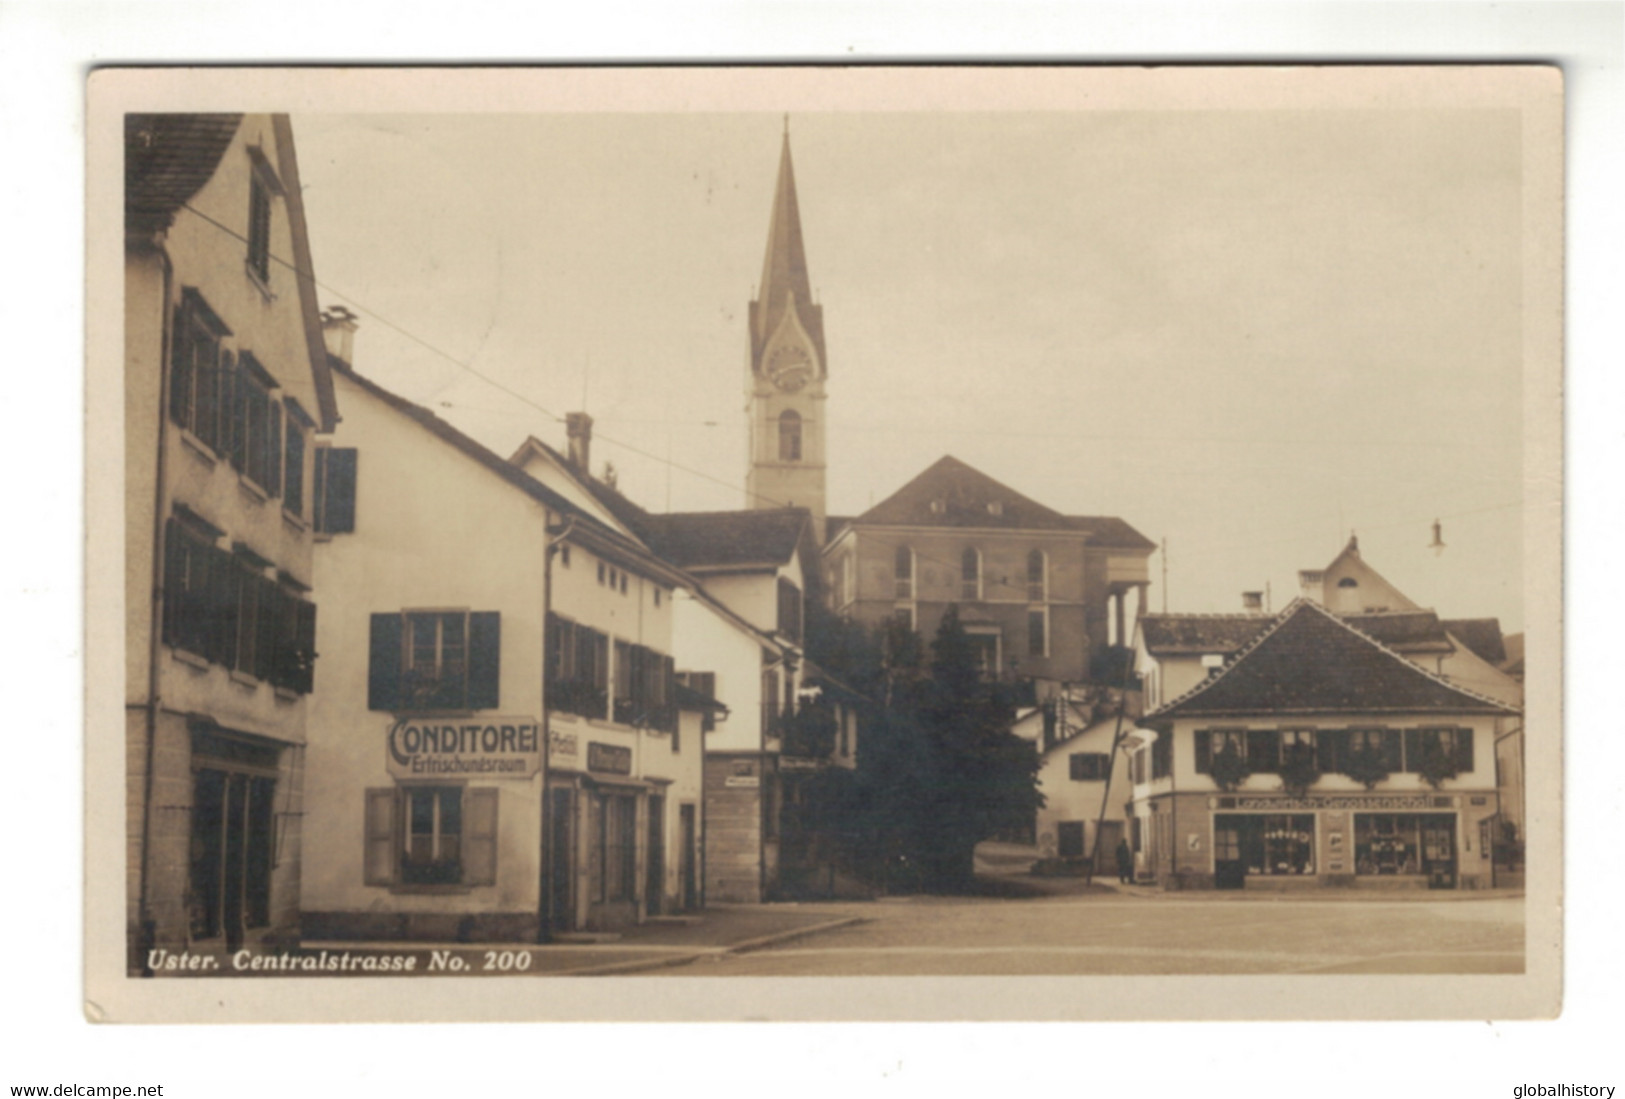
(1211, 742)
(970, 574)
(195, 369)
(259, 228)
(1387, 843)
(231, 843)
(1348, 582)
(904, 616)
(903, 566)
(1295, 742)
(1162, 756)
(1457, 745)
(1038, 632)
(1385, 742)
(430, 835)
(577, 668)
(256, 425)
(1088, 766)
(1275, 844)
(434, 660)
(333, 490)
(1136, 770)
(771, 723)
(643, 688)
(1037, 577)
(789, 436)
(293, 457)
(789, 609)
(849, 577)
(221, 606)
(985, 643)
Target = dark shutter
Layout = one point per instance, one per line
(305, 646)
(318, 489)
(273, 447)
(293, 474)
(223, 573)
(180, 373)
(174, 581)
(1263, 751)
(1392, 755)
(1204, 751)
(1464, 751)
(226, 413)
(484, 659)
(266, 629)
(1331, 747)
(480, 836)
(384, 663)
(378, 837)
(1413, 750)
(340, 490)
(206, 418)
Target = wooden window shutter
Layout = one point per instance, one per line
(384, 663)
(273, 447)
(480, 836)
(305, 646)
(265, 627)
(1204, 751)
(180, 373)
(378, 837)
(223, 573)
(1413, 749)
(174, 580)
(484, 659)
(1464, 751)
(340, 490)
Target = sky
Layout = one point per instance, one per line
(1249, 333)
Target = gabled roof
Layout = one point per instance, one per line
(1481, 635)
(612, 500)
(950, 493)
(582, 526)
(1308, 661)
(727, 539)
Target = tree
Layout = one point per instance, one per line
(982, 777)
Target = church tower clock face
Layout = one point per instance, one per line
(789, 368)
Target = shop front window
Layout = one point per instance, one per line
(1387, 843)
(1274, 844)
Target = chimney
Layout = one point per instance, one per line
(1312, 584)
(578, 428)
(338, 331)
(1252, 602)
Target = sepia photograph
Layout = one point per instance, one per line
(835, 543)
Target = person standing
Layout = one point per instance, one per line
(1125, 863)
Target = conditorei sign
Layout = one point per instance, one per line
(490, 747)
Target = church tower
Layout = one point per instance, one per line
(785, 387)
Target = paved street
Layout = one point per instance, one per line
(1144, 932)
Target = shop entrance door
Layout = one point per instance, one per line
(1439, 851)
(654, 890)
(561, 848)
(231, 854)
(1229, 867)
(691, 878)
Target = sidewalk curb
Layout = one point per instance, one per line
(745, 946)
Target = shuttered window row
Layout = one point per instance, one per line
(227, 402)
(221, 606)
(1400, 750)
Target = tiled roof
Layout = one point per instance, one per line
(613, 501)
(167, 159)
(726, 538)
(1200, 633)
(1309, 662)
(604, 538)
(1110, 532)
(1481, 635)
(1404, 631)
(950, 493)
(688, 698)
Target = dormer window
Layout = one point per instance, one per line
(1348, 582)
(995, 507)
(938, 507)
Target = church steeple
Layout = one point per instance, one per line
(784, 267)
(785, 385)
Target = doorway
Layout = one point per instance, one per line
(1439, 851)
(231, 854)
(689, 861)
(654, 891)
(562, 864)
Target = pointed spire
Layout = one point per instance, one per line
(784, 269)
